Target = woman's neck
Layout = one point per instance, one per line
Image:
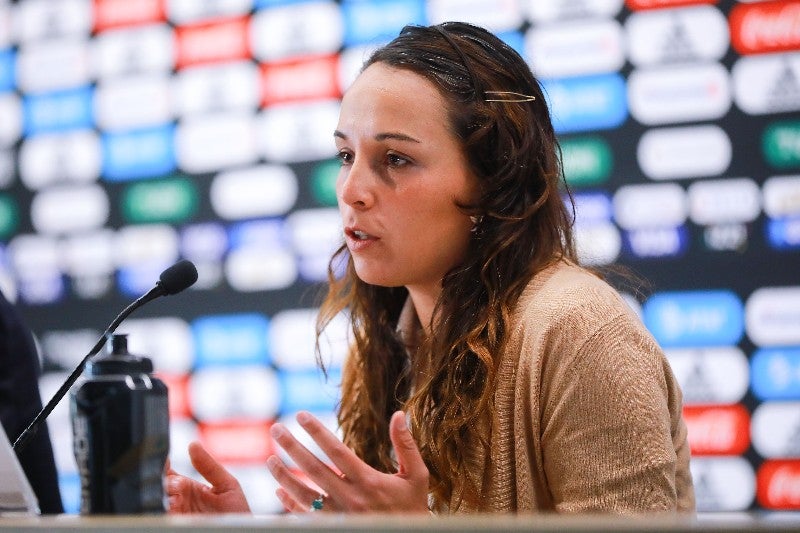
(424, 299)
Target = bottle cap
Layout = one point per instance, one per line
(118, 360)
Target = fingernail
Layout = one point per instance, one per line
(272, 462)
(303, 417)
(403, 424)
(276, 431)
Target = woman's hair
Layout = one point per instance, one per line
(497, 111)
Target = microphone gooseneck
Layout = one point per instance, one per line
(173, 280)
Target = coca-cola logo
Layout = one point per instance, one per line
(765, 27)
(718, 430)
(298, 80)
(116, 13)
(779, 484)
(660, 4)
(212, 42)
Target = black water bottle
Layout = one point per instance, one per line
(120, 428)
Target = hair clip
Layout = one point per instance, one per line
(519, 97)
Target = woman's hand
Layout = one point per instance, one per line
(186, 495)
(359, 487)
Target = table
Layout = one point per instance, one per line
(315, 523)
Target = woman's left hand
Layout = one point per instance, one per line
(359, 487)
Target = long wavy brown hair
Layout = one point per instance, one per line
(524, 224)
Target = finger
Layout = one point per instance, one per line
(409, 460)
(290, 504)
(177, 486)
(340, 455)
(318, 471)
(175, 504)
(210, 469)
(178, 504)
(291, 484)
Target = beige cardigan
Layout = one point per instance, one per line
(587, 413)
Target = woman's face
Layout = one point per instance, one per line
(402, 174)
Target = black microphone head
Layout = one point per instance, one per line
(178, 277)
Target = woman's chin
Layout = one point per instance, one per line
(381, 279)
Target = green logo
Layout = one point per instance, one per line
(323, 182)
(9, 216)
(167, 200)
(587, 161)
(781, 144)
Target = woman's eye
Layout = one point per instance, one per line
(344, 157)
(395, 160)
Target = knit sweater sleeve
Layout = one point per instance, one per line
(609, 410)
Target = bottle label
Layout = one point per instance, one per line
(81, 447)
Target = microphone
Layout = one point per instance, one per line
(173, 280)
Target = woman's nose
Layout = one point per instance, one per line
(355, 186)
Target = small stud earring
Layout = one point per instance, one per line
(476, 221)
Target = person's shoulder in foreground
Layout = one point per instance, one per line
(20, 401)
(608, 431)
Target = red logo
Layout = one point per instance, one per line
(178, 387)
(237, 442)
(213, 42)
(765, 27)
(779, 484)
(118, 13)
(637, 5)
(309, 78)
(718, 429)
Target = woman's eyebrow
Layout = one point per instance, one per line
(383, 136)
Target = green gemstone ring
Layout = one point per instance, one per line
(317, 504)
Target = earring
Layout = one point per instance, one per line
(476, 221)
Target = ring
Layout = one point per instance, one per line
(317, 504)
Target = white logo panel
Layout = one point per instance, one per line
(683, 93)
(686, 152)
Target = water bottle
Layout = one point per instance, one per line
(120, 428)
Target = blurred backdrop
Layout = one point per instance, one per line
(137, 132)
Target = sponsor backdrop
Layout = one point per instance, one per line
(137, 132)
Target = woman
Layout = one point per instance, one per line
(489, 372)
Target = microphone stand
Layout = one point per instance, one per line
(33, 427)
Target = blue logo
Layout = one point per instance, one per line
(231, 340)
(784, 233)
(656, 242)
(314, 268)
(58, 111)
(205, 241)
(135, 280)
(775, 374)
(69, 484)
(309, 390)
(140, 153)
(379, 20)
(591, 207)
(587, 103)
(45, 289)
(699, 318)
(7, 70)
(515, 40)
(268, 233)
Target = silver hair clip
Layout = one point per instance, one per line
(515, 97)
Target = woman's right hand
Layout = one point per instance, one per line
(223, 495)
